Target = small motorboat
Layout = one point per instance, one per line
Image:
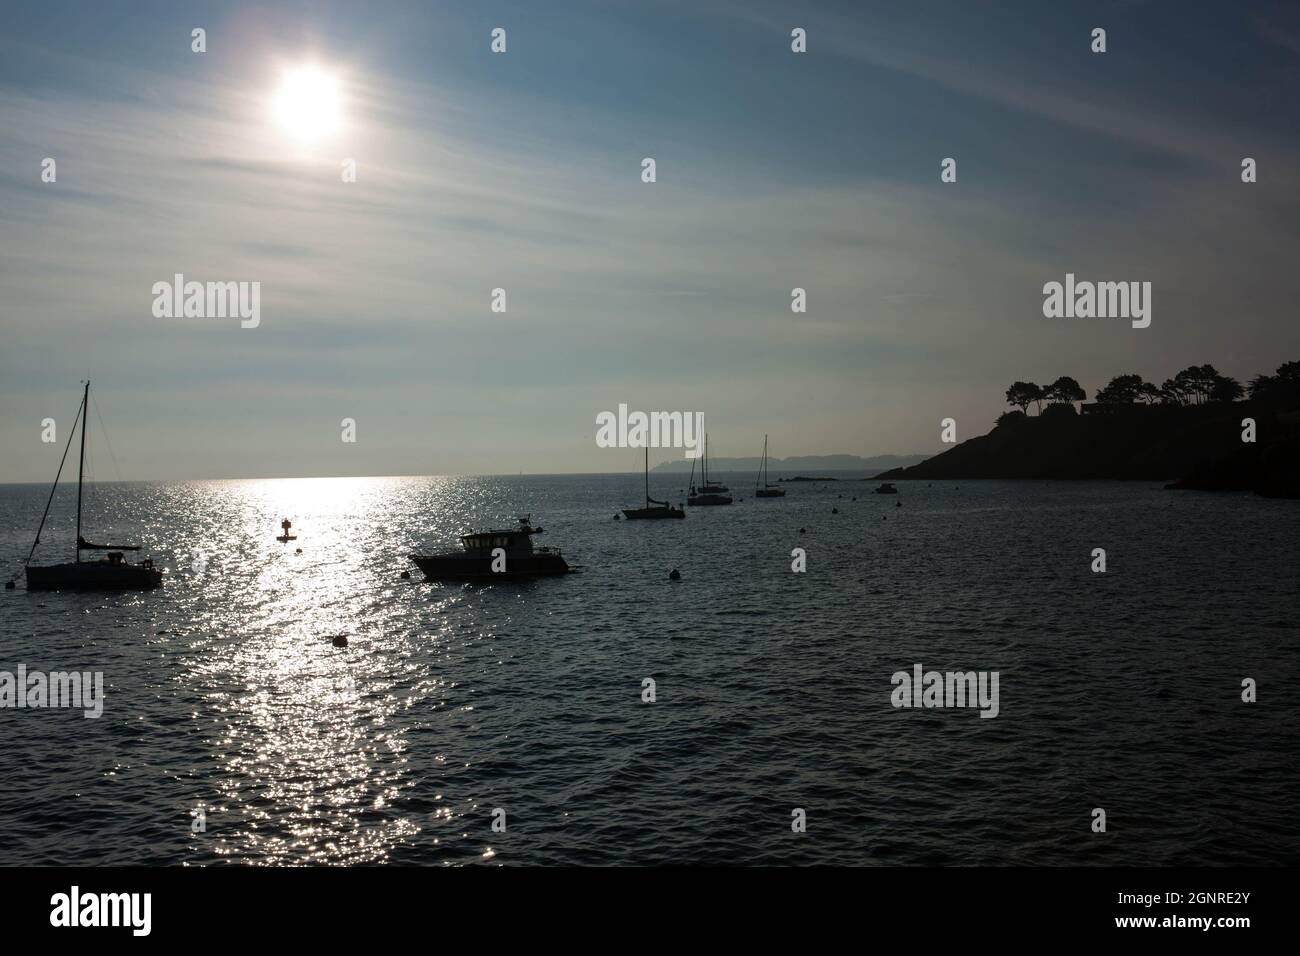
(886, 489)
(495, 555)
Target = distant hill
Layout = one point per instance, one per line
(1198, 445)
(803, 464)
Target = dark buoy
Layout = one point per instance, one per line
(406, 575)
(297, 550)
(835, 511)
(803, 530)
(617, 518)
(674, 575)
(9, 585)
(898, 504)
(340, 640)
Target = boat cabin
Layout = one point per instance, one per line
(490, 540)
(511, 539)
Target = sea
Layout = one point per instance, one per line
(745, 714)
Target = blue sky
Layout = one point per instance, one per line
(522, 171)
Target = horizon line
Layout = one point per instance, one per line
(528, 474)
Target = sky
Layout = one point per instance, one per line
(522, 170)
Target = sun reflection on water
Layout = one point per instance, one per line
(310, 760)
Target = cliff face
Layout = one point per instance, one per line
(1200, 444)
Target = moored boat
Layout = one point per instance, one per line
(653, 509)
(762, 487)
(110, 573)
(708, 492)
(495, 555)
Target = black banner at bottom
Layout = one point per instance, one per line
(217, 905)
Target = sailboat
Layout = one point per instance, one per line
(763, 488)
(708, 493)
(110, 573)
(653, 508)
(709, 487)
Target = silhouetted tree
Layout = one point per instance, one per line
(1197, 383)
(1065, 389)
(1021, 394)
(1121, 390)
(1226, 389)
(1173, 393)
(1261, 385)
(1009, 418)
(1282, 386)
(1194, 385)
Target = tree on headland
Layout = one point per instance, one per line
(1065, 389)
(1121, 390)
(1021, 394)
(1194, 385)
(1261, 385)
(1173, 392)
(1197, 382)
(1199, 385)
(1283, 385)
(1226, 389)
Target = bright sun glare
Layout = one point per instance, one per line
(307, 105)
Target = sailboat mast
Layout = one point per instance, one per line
(81, 468)
(647, 476)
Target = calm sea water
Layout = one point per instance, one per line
(1118, 690)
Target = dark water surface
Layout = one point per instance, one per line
(223, 692)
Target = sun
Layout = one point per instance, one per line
(308, 105)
